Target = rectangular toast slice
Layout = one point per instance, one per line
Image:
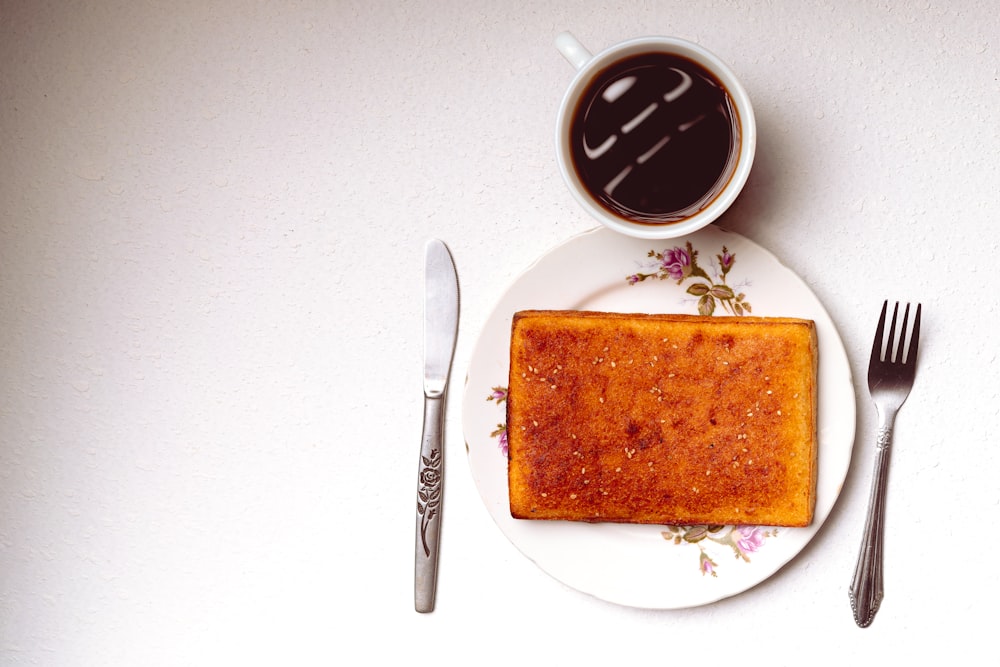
(665, 419)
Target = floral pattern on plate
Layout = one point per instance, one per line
(681, 264)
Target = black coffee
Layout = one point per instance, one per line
(655, 139)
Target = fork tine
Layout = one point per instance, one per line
(877, 345)
(890, 355)
(911, 355)
(902, 336)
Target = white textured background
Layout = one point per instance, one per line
(212, 217)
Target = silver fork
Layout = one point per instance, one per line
(890, 377)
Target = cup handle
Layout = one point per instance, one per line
(572, 50)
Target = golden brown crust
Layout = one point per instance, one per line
(669, 419)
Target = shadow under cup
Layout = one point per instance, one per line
(656, 137)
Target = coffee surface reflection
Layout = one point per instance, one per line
(655, 139)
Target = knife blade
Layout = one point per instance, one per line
(440, 334)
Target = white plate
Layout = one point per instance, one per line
(651, 566)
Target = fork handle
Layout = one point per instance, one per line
(866, 588)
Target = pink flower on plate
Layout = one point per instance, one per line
(707, 565)
(498, 394)
(726, 260)
(676, 262)
(501, 434)
(749, 539)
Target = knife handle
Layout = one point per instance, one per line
(430, 493)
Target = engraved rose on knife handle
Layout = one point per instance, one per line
(429, 493)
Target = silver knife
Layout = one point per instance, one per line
(440, 333)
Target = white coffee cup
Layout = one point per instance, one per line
(711, 203)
